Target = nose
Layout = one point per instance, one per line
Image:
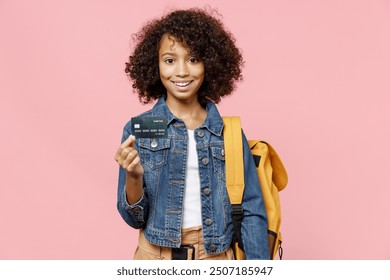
(182, 69)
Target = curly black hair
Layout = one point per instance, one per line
(205, 36)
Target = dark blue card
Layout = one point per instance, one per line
(149, 127)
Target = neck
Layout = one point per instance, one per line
(190, 111)
(183, 109)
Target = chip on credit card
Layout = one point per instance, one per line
(149, 127)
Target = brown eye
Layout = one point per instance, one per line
(169, 60)
(194, 60)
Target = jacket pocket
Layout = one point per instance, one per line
(154, 152)
(218, 155)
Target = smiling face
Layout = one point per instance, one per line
(181, 72)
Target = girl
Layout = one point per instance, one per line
(173, 189)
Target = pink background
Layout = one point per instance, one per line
(319, 69)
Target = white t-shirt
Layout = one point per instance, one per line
(192, 211)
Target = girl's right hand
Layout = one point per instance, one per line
(127, 157)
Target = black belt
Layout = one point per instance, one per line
(185, 252)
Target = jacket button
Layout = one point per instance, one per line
(154, 143)
(205, 161)
(207, 191)
(223, 152)
(200, 133)
(208, 221)
(213, 247)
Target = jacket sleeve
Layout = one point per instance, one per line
(254, 223)
(135, 215)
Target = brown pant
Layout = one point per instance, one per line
(190, 236)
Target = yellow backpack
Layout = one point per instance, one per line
(272, 176)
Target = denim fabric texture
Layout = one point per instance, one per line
(159, 211)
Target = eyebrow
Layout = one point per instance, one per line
(168, 53)
(174, 54)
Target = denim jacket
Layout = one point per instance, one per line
(160, 209)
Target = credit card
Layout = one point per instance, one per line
(149, 127)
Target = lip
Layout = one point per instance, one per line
(182, 85)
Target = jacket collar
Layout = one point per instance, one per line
(213, 122)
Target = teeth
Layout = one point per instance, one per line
(182, 84)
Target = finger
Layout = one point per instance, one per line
(133, 165)
(121, 154)
(129, 158)
(125, 152)
(129, 142)
(118, 153)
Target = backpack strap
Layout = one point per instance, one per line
(234, 159)
(234, 164)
